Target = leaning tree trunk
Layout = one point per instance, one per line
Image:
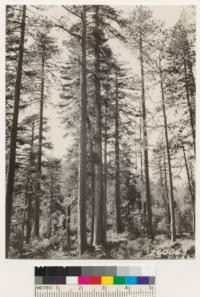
(39, 165)
(98, 222)
(171, 200)
(189, 182)
(190, 109)
(13, 138)
(145, 143)
(82, 163)
(117, 165)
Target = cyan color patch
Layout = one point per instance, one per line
(131, 280)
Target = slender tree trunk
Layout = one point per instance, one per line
(166, 191)
(39, 165)
(13, 138)
(92, 190)
(189, 182)
(105, 162)
(165, 201)
(50, 210)
(82, 163)
(98, 236)
(171, 201)
(117, 165)
(105, 175)
(29, 196)
(190, 109)
(145, 143)
(68, 225)
(25, 215)
(141, 176)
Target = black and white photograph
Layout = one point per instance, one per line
(100, 131)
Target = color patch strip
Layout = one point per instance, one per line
(107, 280)
(95, 280)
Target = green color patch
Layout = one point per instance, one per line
(119, 280)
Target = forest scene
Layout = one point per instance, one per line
(100, 132)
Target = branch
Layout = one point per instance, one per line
(67, 30)
(69, 10)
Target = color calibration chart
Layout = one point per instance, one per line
(93, 281)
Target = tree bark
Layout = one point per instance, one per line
(82, 162)
(98, 236)
(117, 164)
(105, 175)
(190, 110)
(166, 191)
(13, 138)
(171, 200)
(39, 165)
(145, 141)
(189, 182)
(92, 190)
(165, 201)
(50, 208)
(29, 195)
(141, 176)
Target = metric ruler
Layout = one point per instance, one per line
(95, 281)
(94, 291)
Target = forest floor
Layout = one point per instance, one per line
(123, 246)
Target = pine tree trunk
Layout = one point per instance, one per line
(50, 208)
(165, 201)
(105, 176)
(141, 177)
(166, 191)
(171, 201)
(190, 110)
(145, 144)
(13, 138)
(117, 165)
(92, 190)
(39, 165)
(82, 162)
(29, 199)
(98, 236)
(189, 182)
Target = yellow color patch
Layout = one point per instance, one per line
(107, 280)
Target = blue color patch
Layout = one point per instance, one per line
(142, 280)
